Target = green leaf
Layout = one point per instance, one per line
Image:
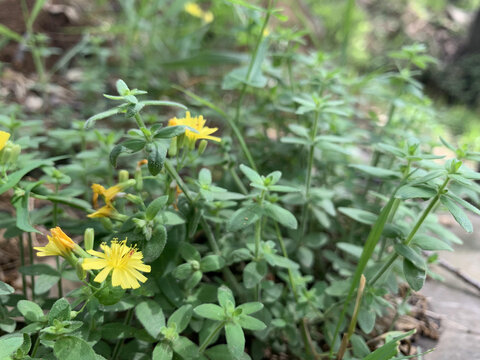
(457, 213)
(16, 176)
(92, 119)
(170, 132)
(377, 172)
(181, 317)
(243, 217)
(10, 34)
(162, 103)
(115, 153)
(427, 242)
(9, 344)
(187, 349)
(150, 315)
(153, 248)
(388, 350)
(156, 156)
(162, 351)
(280, 215)
(366, 320)
(408, 253)
(250, 307)
(410, 192)
(6, 289)
(44, 283)
(250, 323)
(155, 206)
(60, 311)
(362, 216)
(210, 311)
(235, 338)
(30, 311)
(414, 276)
(22, 210)
(34, 13)
(188, 252)
(73, 348)
(253, 273)
(38, 269)
(462, 202)
(122, 88)
(251, 174)
(205, 176)
(360, 347)
(211, 263)
(224, 296)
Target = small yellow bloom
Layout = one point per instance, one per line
(4, 136)
(195, 10)
(108, 194)
(197, 123)
(104, 211)
(59, 244)
(124, 262)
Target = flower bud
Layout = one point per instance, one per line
(15, 151)
(88, 238)
(123, 176)
(5, 155)
(139, 179)
(81, 273)
(172, 150)
(202, 146)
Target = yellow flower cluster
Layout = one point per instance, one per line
(124, 262)
(108, 196)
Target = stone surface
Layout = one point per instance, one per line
(457, 303)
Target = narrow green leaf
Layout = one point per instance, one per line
(414, 276)
(210, 311)
(457, 213)
(281, 215)
(408, 253)
(235, 338)
(251, 174)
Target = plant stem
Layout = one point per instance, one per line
(35, 346)
(22, 261)
(143, 128)
(244, 89)
(57, 259)
(238, 182)
(308, 179)
(119, 344)
(30, 254)
(412, 233)
(210, 337)
(208, 231)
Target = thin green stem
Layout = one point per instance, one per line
(238, 182)
(308, 179)
(57, 259)
(208, 231)
(234, 123)
(412, 233)
(143, 128)
(119, 344)
(30, 255)
(35, 345)
(22, 262)
(210, 337)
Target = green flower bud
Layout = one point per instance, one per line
(5, 155)
(202, 146)
(81, 273)
(16, 149)
(123, 176)
(172, 150)
(88, 238)
(138, 179)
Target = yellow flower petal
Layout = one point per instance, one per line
(4, 136)
(59, 244)
(102, 275)
(94, 264)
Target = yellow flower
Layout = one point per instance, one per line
(197, 123)
(4, 136)
(195, 10)
(59, 244)
(104, 211)
(124, 262)
(108, 194)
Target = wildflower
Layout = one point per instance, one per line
(108, 194)
(59, 244)
(197, 123)
(195, 10)
(4, 136)
(124, 262)
(104, 211)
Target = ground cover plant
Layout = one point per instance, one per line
(217, 201)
